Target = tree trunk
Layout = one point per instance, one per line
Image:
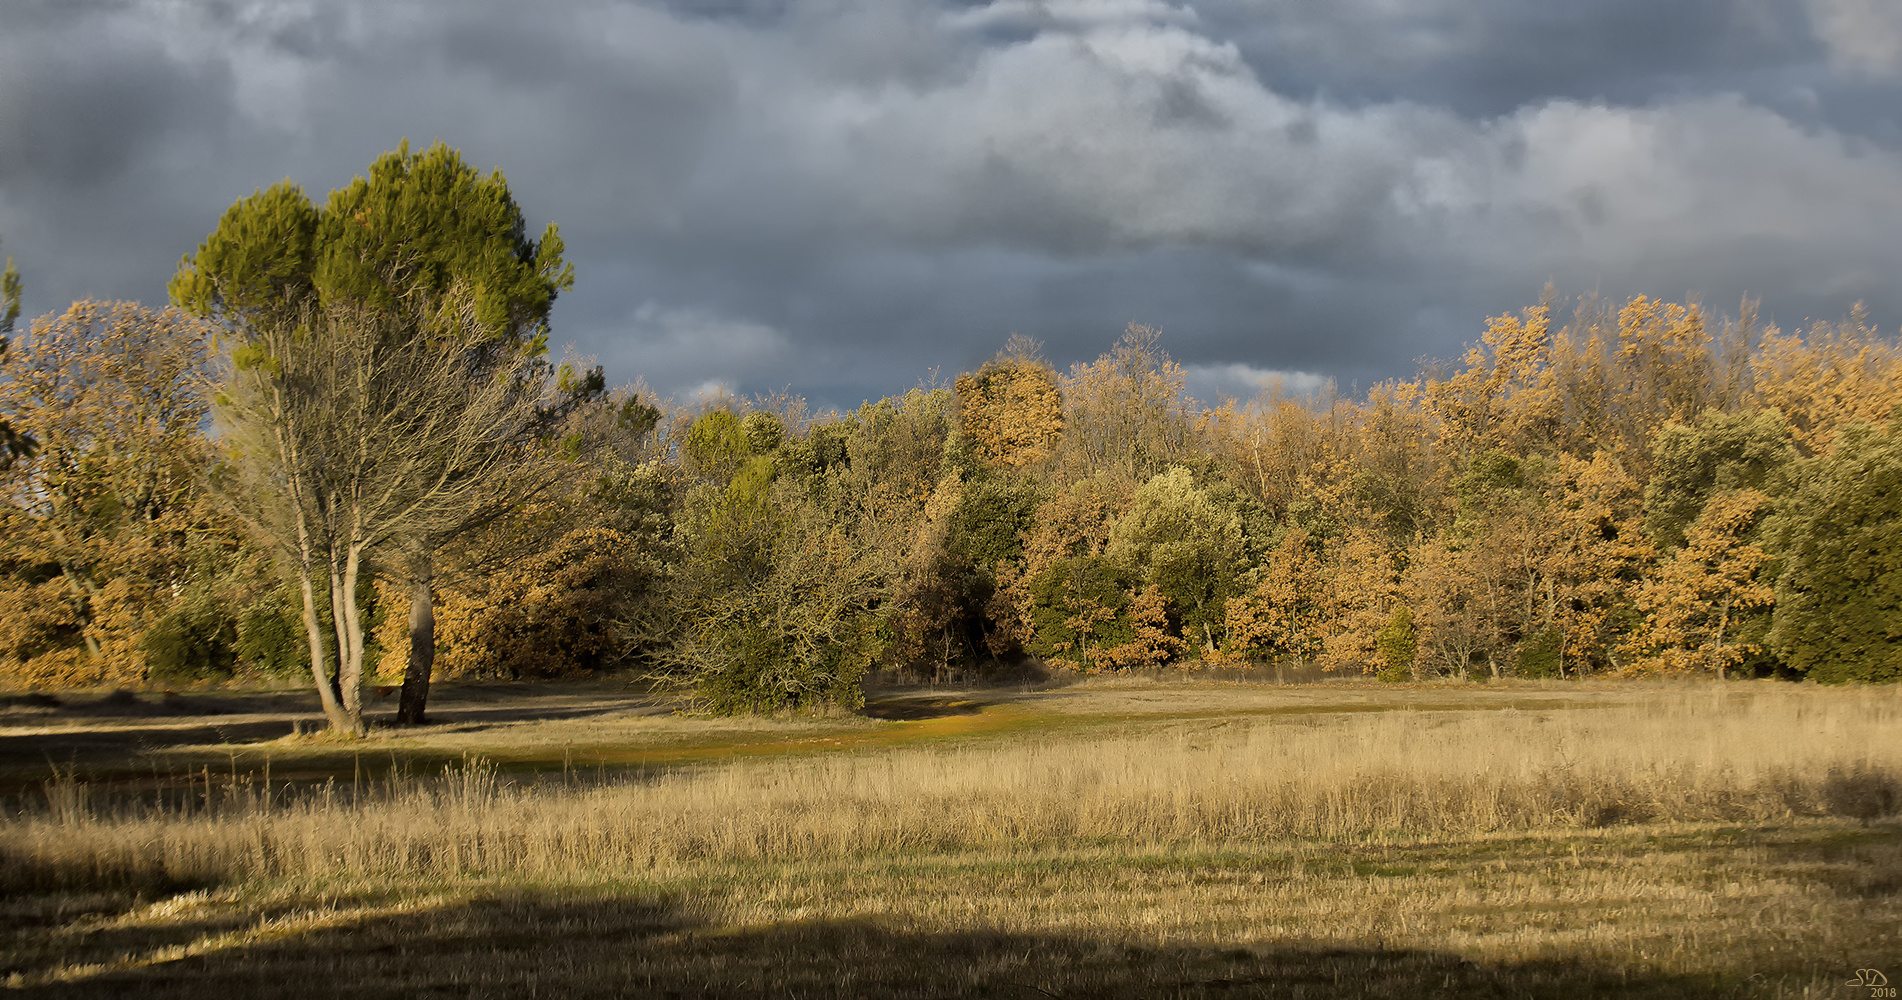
(320, 672)
(338, 599)
(422, 653)
(350, 666)
(1723, 622)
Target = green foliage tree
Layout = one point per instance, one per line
(271, 634)
(198, 637)
(1397, 645)
(764, 432)
(897, 447)
(934, 591)
(717, 445)
(1176, 538)
(1721, 451)
(9, 296)
(1079, 606)
(426, 252)
(1540, 654)
(993, 516)
(1494, 483)
(13, 443)
(1838, 611)
(423, 222)
(775, 604)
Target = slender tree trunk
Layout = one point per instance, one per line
(339, 598)
(347, 680)
(320, 672)
(1723, 622)
(422, 649)
(350, 672)
(322, 676)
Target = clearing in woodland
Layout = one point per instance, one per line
(1131, 837)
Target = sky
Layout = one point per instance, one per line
(838, 197)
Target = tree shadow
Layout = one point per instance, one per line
(1863, 863)
(122, 739)
(592, 945)
(462, 717)
(916, 707)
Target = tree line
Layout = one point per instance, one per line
(344, 453)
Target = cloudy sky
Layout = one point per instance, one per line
(840, 195)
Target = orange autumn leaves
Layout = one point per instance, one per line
(1502, 510)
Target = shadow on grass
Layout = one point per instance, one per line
(1860, 864)
(912, 709)
(544, 945)
(123, 739)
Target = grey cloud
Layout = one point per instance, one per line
(1863, 36)
(691, 353)
(838, 195)
(79, 110)
(1487, 57)
(1212, 384)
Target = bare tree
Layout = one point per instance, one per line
(354, 431)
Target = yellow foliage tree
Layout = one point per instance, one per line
(1074, 522)
(1507, 396)
(1282, 447)
(97, 518)
(1537, 560)
(1451, 624)
(1126, 409)
(1011, 409)
(1665, 368)
(1839, 374)
(1692, 604)
(1590, 548)
(1361, 586)
(1280, 618)
(547, 615)
(1150, 644)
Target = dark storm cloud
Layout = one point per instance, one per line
(1489, 57)
(842, 195)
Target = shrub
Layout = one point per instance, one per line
(1397, 646)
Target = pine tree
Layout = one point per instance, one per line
(423, 252)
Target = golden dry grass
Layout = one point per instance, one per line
(1696, 757)
(1671, 842)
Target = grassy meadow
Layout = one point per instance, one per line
(1130, 837)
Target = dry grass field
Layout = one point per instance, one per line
(1116, 838)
